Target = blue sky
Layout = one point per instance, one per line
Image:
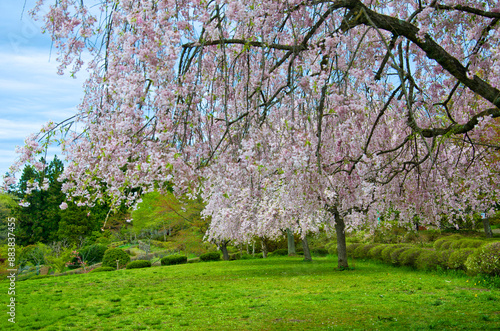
(31, 92)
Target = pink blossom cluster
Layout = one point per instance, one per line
(285, 114)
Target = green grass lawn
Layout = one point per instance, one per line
(271, 294)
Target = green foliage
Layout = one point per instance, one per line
(395, 255)
(409, 257)
(444, 257)
(139, 264)
(103, 269)
(39, 221)
(485, 260)
(279, 252)
(113, 254)
(332, 247)
(34, 254)
(458, 258)
(93, 254)
(173, 259)
(445, 242)
(376, 252)
(246, 256)
(319, 252)
(387, 251)
(362, 250)
(211, 256)
(471, 243)
(351, 248)
(234, 256)
(428, 260)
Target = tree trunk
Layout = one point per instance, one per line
(487, 227)
(264, 248)
(291, 243)
(253, 248)
(341, 244)
(164, 233)
(307, 252)
(223, 248)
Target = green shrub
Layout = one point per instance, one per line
(447, 244)
(457, 244)
(332, 247)
(279, 252)
(93, 254)
(113, 254)
(409, 257)
(445, 257)
(320, 252)
(246, 256)
(362, 250)
(446, 241)
(173, 259)
(352, 247)
(102, 269)
(428, 260)
(234, 256)
(139, 264)
(472, 243)
(211, 256)
(396, 254)
(485, 260)
(387, 251)
(376, 252)
(457, 258)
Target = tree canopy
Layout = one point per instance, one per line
(332, 110)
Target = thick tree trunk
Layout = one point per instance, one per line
(223, 248)
(341, 244)
(264, 248)
(291, 243)
(307, 252)
(487, 227)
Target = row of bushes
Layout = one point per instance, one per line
(456, 242)
(483, 260)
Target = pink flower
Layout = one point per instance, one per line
(63, 206)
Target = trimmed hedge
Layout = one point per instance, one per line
(173, 259)
(362, 250)
(212, 256)
(428, 260)
(113, 254)
(396, 254)
(457, 258)
(485, 260)
(409, 257)
(387, 251)
(376, 252)
(139, 264)
(102, 269)
(351, 248)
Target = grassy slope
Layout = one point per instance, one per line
(271, 294)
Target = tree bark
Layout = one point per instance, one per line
(487, 227)
(264, 248)
(341, 244)
(223, 248)
(307, 252)
(291, 243)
